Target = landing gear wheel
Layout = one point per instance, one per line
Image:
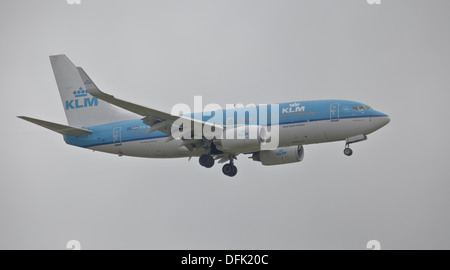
(234, 172)
(348, 151)
(206, 161)
(229, 170)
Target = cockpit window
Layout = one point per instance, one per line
(361, 108)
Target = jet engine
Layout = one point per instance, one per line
(282, 155)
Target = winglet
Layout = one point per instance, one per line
(90, 85)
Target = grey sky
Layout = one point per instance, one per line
(394, 57)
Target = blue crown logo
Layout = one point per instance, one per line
(80, 92)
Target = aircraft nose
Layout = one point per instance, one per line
(384, 120)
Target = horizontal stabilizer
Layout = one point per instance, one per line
(61, 129)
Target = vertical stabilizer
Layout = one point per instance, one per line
(82, 109)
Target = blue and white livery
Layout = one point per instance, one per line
(101, 122)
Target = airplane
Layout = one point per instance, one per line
(101, 122)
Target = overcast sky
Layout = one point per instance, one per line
(394, 189)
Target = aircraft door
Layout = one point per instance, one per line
(334, 112)
(117, 136)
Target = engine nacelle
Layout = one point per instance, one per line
(282, 155)
(246, 138)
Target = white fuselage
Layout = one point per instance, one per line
(289, 134)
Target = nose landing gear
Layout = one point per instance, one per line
(354, 139)
(348, 151)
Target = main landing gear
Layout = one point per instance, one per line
(206, 161)
(229, 169)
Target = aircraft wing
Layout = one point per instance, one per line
(157, 120)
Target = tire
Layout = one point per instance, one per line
(348, 151)
(234, 172)
(210, 162)
(206, 161)
(227, 169)
(202, 160)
